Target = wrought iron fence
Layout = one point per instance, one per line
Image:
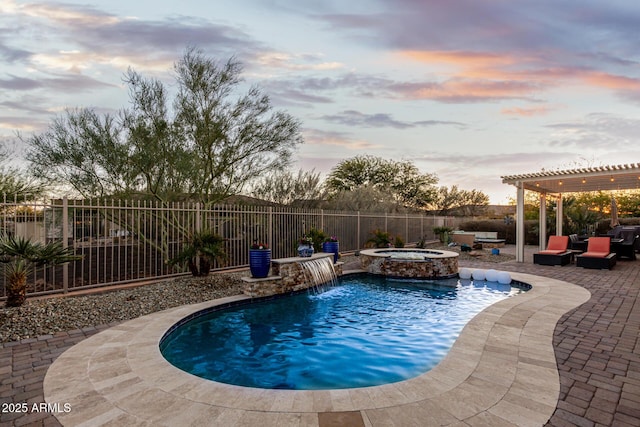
(127, 241)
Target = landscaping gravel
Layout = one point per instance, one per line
(55, 314)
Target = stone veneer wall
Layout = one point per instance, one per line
(435, 267)
(286, 276)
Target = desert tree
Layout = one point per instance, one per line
(201, 139)
(397, 181)
(285, 187)
(205, 145)
(468, 202)
(16, 184)
(365, 198)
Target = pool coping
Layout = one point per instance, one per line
(388, 253)
(501, 370)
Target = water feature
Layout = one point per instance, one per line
(365, 331)
(294, 274)
(319, 274)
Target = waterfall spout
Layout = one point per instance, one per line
(319, 273)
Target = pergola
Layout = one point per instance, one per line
(555, 183)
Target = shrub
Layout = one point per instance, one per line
(201, 250)
(380, 239)
(317, 237)
(21, 257)
(442, 233)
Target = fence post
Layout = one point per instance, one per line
(65, 243)
(406, 227)
(358, 235)
(322, 219)
(270, 226)
(198, 223)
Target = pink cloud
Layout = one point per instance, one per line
(528, 112)
(463, 59)
(612, 81)
(486, 75)
(339, 139)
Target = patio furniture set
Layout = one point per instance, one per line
(601, 252)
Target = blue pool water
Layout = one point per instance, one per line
(366, 331)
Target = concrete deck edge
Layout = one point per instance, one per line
(502, 367)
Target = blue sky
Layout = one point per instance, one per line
(467, 89)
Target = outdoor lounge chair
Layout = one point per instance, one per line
(556, 252)
(598, 254)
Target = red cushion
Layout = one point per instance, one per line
(599, 244)
(551, 252)
(596, 254)
(558, 243)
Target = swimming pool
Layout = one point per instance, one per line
(366, 331)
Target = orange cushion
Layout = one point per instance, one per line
(551, 252)
(558, 243)
(596, 254)
(599, 244)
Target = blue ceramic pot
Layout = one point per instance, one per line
(332, 248)
(305, 250)
(259, 262)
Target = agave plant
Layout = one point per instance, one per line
(203, 248)
(21, 257)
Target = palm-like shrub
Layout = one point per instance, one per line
(22, 256)
(379, 239)
(203, 248)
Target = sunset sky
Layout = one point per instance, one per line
(469, 90)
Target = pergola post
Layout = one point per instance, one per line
(542, 235)
(520, 223)
(559, 215)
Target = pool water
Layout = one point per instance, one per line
(364, 332)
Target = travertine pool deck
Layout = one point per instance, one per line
(501, 371)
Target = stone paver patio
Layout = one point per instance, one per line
(596, 347)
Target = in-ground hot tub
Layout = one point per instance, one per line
(410, 263)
